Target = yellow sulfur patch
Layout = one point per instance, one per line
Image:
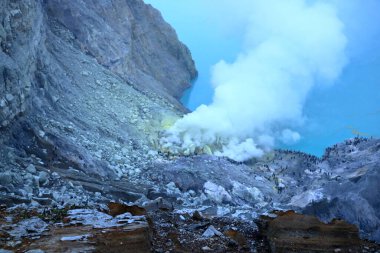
(207, 150)
(168, 122)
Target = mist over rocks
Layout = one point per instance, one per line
(290, 47)
(86, 92)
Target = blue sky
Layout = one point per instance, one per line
(331, 113)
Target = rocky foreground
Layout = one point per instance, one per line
(122, 228)
(87, 89)
(205, 203)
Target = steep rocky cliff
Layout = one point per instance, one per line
(131, 39)
(85, 87)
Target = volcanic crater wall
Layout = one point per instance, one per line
(85, 86)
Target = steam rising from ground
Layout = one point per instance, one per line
(289, 46)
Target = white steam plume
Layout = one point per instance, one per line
(289, 45)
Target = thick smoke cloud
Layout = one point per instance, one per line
(289, 47)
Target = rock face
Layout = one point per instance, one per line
(292, 232)
(131, 39)
(85, 87)
(353, 191)
(128, 38)
(343, 184)
(20, 36)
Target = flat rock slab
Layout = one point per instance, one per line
(130, 239)
(292, 232)
(82, 230)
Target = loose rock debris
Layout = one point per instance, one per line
(126, 229)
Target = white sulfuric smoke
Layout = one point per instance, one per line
(289, 45)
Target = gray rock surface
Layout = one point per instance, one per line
(131, 39)
(5, 251)
(211, 231)
(20, 35)
(353, 191)
(344, 184)
(84, 90)
(28, 227)
(35, 251)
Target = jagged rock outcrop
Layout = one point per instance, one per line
(343, 184)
